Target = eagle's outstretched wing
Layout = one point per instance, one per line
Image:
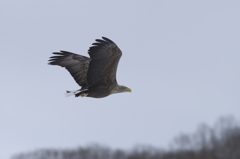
(105, 56)
(76, 64)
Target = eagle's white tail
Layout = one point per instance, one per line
(69, 93)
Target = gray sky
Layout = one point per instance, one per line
(180, 58)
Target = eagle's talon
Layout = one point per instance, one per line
(83, 94)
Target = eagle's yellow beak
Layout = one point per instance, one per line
(129, 90)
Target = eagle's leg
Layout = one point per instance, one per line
(81, 94)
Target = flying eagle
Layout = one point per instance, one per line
(96, 75)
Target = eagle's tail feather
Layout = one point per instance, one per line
(69, 93)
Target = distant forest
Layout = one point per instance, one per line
(221, 141)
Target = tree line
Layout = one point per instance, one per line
(221, 141)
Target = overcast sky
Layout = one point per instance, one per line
(180, 58)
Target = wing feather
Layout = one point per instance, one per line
(77, 65)
(105, 56)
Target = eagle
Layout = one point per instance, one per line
(96, 75)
